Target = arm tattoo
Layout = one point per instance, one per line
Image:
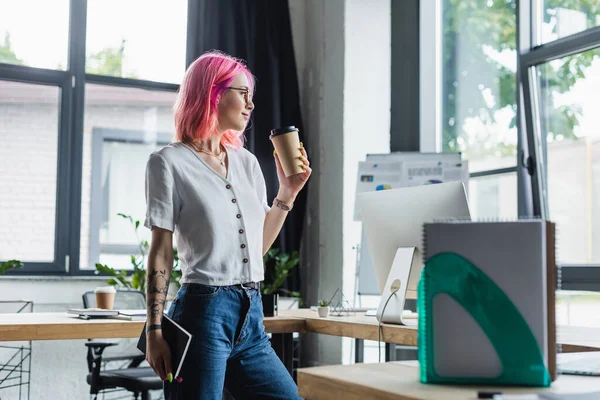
(157, 289)
(156, 307)
(158, 282)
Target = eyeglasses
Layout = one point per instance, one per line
(244, 90)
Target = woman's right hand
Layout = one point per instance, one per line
(158, 355)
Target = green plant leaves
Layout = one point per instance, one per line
(137, 279)
(10, 264)
(284, 263)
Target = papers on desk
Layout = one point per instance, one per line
(128, 315)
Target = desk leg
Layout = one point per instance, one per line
(390, 352)
(359, 351)
(283, 344)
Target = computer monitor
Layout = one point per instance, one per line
(394, 218)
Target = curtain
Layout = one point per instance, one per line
(259, 31)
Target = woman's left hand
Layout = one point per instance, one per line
(292, 185)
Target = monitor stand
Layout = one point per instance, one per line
(396, 286)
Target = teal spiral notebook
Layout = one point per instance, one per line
(486, 303)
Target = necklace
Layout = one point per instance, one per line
(220, 156)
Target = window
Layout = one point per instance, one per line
(539, 149)
(99, 99)
(122, 127)
(479, 101)
(29, 126)
(479, 82)
(18, 46)
(560, 83)
(139, 41)
(569, 122)
(577, 308)
(565, 17)
(493, 196)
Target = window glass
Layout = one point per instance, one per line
(132, 39)
(122, 127)
(479, 63)
(29, 125)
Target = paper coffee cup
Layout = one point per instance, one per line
(105, 297)
(287, 144)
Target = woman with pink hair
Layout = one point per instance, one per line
(209, 191)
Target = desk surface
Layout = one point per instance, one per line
(400, 381)
(359, 326)
(57, 326)
(60, 326)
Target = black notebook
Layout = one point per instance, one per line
(178, 339)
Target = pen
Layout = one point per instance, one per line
(486, 394)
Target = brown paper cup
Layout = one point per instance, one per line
(105, 298)
(287, 144)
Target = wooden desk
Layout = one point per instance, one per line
(58, 326)
(400, 381)
(572, 338)
(358, 326)
(62, 326)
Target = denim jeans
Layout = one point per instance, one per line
(229, 347)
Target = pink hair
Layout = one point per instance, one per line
(196, 112)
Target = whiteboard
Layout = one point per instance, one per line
(367, 283)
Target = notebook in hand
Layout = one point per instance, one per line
(178, 340)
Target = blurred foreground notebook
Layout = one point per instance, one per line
(486, 303)
(178, 339)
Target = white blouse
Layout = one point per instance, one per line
(218, 223)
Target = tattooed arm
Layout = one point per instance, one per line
(160, 265)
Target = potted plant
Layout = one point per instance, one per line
(137, 279)
(323, 308)
(283, 264)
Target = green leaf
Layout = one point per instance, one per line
(105, 269)
(10, 264)
(135, 281)
(126, 217)
(137, 224)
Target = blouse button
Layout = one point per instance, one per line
(245, 260)
(243, 246)
(239, 216)
(233, 200)
(228, 186)
(241, 231)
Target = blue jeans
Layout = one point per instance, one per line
(229, 347)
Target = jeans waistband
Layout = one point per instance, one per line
(250, 285)
(245, 285)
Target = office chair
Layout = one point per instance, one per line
(133, 378)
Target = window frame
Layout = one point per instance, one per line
(531, 153)
(62, 81)
(99, 137)
(572, 276)
(70, 136)
(430, 134)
